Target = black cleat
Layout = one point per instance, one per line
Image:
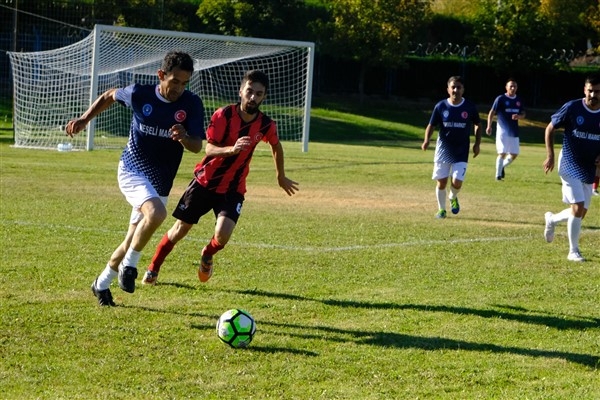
(502, 173)
(127, 277)
(104, 296)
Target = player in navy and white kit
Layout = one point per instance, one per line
(166, 119)
(577, 162)
(508, 107)
(456, 117)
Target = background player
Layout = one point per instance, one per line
(456, 117)
(509, 109)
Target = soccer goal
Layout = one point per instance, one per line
(52, 87)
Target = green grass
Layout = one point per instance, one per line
(358, 292)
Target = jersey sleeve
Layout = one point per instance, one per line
(558, 118)
(124, 95)
(271, 137)
(215, 134)
(195, 124)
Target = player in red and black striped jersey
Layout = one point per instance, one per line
(219, 183)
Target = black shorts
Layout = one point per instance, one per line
(197, 201)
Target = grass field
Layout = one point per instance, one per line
(358, 292)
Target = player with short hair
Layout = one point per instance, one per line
(219, 183)
(508, 107)
(166, 119)
(578, 161)
(456, 118)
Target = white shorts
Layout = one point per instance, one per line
(137, 189)
(575, 191)
(442, 170)
(506, 144)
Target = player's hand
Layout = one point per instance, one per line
(425, 145)
(75, 126)
(290, 186)
(178, 132)
(476, 150)
(488, 131)
(548, 164)
(243, 143)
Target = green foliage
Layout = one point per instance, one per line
(276, 19)
(513, 35)
(375, 33)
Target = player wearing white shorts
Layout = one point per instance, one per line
(166, 119)
(577, 163)
(456, 117)
(509, 109)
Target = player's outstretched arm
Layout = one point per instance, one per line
(104, 101)
(288, 185)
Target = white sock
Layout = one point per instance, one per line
(507, 161)
(105, 278)
(441, 198)
(131, 258)
(573, 231)
(561, 216)
(499, 162)
(453, 192)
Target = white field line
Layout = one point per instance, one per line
(311, 249)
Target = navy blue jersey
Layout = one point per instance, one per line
(150, 151)
(505, 106)
(455, 127)
(581, 140)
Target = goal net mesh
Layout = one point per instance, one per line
(53, 87)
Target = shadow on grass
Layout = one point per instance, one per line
(390, 339)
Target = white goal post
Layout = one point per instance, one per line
(52, 87)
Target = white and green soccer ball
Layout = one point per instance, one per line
(236, 327)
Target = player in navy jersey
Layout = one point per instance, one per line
(166, 119)
(220, 178)
(456, 118)
(578, 161)
(508, 107)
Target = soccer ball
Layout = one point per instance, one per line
(236, 328)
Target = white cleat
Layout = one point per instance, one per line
(575, 256)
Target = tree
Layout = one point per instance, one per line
(514, 35)
(274, 19)
(374, 32)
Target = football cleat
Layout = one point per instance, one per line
(575, 256)
(127, 277)
(205, 269)
(441, 214)
(455, 206)
(150, 278)
(104, 296)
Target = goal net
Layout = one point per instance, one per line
(53, 87)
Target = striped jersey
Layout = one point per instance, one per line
(150, 151)
(581, 140)
(455, 124)
(228, 174)
(505, 106)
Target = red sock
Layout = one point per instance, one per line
(595, 184)
(212, 247)
(162, 251)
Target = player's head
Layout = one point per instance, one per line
(456, 88)
(174, 74)
(591, 89)
(511, 87)
(253, 90)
